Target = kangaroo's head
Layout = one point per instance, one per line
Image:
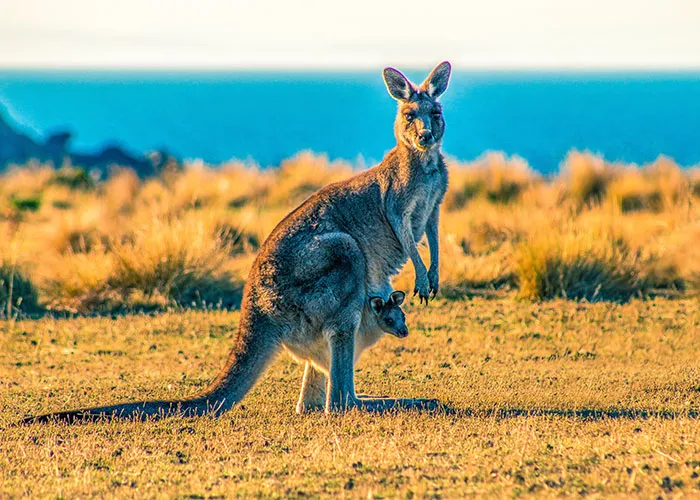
(390, 316)
(419, 124)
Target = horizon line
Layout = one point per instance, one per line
(351, 68)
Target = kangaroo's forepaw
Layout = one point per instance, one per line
(434, 280)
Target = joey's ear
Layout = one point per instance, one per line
(436, 83)
(397, 297)
(398, 85)
(377, 304)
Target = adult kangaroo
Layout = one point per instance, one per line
(309, 287)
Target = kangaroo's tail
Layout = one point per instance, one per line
(255, 348)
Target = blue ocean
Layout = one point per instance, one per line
(269, 116)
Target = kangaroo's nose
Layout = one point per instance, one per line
(426, 137)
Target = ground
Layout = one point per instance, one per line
(550, 398)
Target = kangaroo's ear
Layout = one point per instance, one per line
(398, 85)
(377, 304)
(397, 297)
(436, 83)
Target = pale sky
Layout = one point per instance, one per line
(604, 34)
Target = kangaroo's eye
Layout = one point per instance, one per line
(389, 322)
(409, 116)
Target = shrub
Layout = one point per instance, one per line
(304, 174)
(632, 191)
(586, 177)
(478, 275)
(656, 187)
(465, 275)
(236, 239)
(75, 178)
(694, 179)
(29, 204)
(593, 267)
(673, 185)
(120, 190)
(177, 260)
(17, 292)
(485, 238)
(494, 176)
(78, 284)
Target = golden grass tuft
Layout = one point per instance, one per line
(581, 266)
(494, 176)
(656, 187)
(304, 174)
(120, 190)
(18, 289)
(586, 177)
(179, 261)
(78, 283)
(17, 292)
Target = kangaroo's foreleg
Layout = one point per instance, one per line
(313, 390)
(401, 224)
(431, 232)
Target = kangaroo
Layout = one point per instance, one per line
(309, 284)
(389, 318)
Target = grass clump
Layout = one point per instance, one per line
(176, 261)
(656, 187)
(576, 266)
(28, 204)
(79, 284)
(494, 177)
(17, 292)
(304, 174)
(75, 178)
(586, 177)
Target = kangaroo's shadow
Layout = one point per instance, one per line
(581, 414)
(435, 406)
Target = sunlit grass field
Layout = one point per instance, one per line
(565, 344)
(551, 398)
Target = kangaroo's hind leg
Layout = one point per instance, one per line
(341, 341)
(313, 390)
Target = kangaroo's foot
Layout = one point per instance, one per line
(384, 404)
(380, 405)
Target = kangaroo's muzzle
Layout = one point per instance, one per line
(400, 333)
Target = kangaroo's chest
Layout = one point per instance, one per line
(425, 197)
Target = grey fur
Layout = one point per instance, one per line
(309, 285)
(389, 315)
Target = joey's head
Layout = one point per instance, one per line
(389, 314)
(419, 124)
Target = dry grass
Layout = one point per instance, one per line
(554, 397)
(190, 236)
(494, 177)
(548, 399)
(581, 266)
